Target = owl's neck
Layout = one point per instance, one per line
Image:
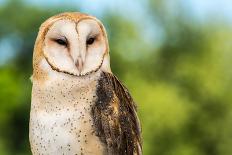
(64, 90)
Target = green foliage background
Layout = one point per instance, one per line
(182, 85)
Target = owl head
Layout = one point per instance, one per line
(71, 43)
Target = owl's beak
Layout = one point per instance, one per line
(79, 64)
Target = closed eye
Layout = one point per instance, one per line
(62, 42)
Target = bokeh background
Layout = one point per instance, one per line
(175, 56)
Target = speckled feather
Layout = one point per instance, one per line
(61, 121)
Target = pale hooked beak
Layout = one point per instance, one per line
(79, 63)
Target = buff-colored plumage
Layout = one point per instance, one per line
(78, 106)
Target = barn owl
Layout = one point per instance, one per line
(78, 106)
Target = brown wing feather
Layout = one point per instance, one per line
(115, 117)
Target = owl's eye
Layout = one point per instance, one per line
(90, 41)
(62, 42)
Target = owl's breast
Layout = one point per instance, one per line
(61, 121)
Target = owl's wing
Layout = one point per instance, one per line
(115, 117)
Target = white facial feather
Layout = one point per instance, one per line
(94, 53)
(77, 57)
(57, 55)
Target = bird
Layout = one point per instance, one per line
(78, 106)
